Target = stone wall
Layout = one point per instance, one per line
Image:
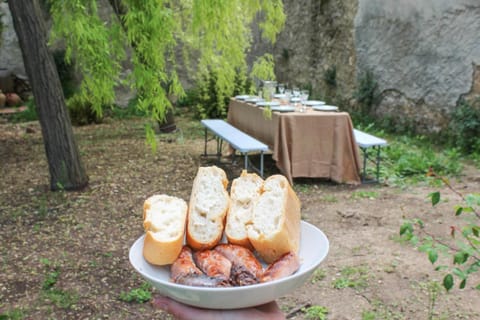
(424, 55)
(10, 53)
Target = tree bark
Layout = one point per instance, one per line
(65, 166)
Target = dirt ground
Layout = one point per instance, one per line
(80, 240)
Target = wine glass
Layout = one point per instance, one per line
(303, 99)
(281, 88)
(296, 96)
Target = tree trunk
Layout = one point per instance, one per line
(65, 166)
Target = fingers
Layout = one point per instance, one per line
(183, 312)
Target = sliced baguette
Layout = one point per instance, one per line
(164, 220)
(207, 210)
(244, 192)
(275, 228)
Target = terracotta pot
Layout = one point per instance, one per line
(13, 99)
(3, 99)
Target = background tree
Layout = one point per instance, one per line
(65, 166)
(213, 36)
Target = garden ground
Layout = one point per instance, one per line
(64, 255)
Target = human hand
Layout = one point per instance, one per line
(180, 311)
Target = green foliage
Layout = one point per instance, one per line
(65, 72)
(138, 295)
(409, 158)
(463, 249)
(330, 76)
(82, 111)
(315, 312)
(352, 277)
(217, 35)
(366, 93)
(128, 112)
(263, 68)
(464, 127)
(30, 114)
(94, 46)
(13, 314)
(60, 298)
(211, 100)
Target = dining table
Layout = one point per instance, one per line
(304, 143)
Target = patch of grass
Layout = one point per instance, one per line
(315, 312)
(330, 198)
(138, 295)
(60, 298)
(352, 277)
(318, 275)
(381, 311)
(363, 194)
(13, 314)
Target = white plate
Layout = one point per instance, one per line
(268, 103)
(325, 108)
(314, 247)
(295, 99)
(242, 97)
(279, 95)
(283, 108)
(254, 99)
(314, 103)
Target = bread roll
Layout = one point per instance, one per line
(275, 229)
(164, 219)
(244, 192)
(209, 202)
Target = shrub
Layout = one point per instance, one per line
(463, 249)
(464, 127)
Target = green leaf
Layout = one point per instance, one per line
(432, 255)
(460, 257)
(435, 196)
(462, 284)
(476, 231)
(406, 228)
(448, 282)
(459, 211)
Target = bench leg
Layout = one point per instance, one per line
(206, 140)
(377, 165)
(261, 164)
(365, 158)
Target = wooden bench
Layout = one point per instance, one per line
(239, 140)
(366, 141)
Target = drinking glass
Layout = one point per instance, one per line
(281, 88)
(303, 99)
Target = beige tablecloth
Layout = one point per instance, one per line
(313, 144)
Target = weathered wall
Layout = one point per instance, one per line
(424, 55)
(10, 53)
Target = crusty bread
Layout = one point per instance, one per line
(244, 192)
(164, 220)
(275, 228)
(207, 210)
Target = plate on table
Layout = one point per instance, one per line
(313, 103)
(283, 108)
(325, 108)
(254, 99)
(314, 247)
(294, 99)
(279, 95)
(242, 97)
(268, 103)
